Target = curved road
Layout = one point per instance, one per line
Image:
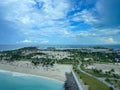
(100, 79)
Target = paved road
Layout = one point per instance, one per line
(100, 79)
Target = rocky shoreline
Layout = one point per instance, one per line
(70, 83)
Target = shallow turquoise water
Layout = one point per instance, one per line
(12, 81)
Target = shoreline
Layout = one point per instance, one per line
(31, 75)
(56, 73)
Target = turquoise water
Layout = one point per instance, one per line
(15, 81)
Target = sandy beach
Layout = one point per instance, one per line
(56, 72)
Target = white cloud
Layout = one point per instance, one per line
(34, 40)
(87, 16)
(25, 20)
(49, 17)
(108, 40)
(38, 20)
(26, 41)
(104, 14)
(28, 11)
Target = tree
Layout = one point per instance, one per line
(112, 70)
(110, 88)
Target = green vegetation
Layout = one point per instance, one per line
(93, 83)
(114, 82)
(44, 61)
(37, 57)
(67, 61)
(94, 72)
(99, 47)
(28, 48)
(27, 53)
(99, 73)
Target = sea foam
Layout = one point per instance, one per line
(13, 73)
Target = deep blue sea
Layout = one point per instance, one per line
(17, 81)
(12, 47)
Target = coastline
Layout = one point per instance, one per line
(31, 75)
(55, 73)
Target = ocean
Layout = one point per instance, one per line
(19, 81)
(12, 47)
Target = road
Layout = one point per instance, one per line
(100, 79)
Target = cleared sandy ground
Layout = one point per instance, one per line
(57, 54)
(56, 72)
(106, 67)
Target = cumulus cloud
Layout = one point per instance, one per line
(41, 41)
(42, 21)
(26, 41)
(104, 14)
(36, 18)
(108, 40)
(86, 16)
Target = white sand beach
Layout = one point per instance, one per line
(56, 72)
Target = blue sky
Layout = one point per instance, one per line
(60, 22)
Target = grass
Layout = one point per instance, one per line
(93, 83)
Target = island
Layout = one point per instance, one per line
(91, 68)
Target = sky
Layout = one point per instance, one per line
(63, 22)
